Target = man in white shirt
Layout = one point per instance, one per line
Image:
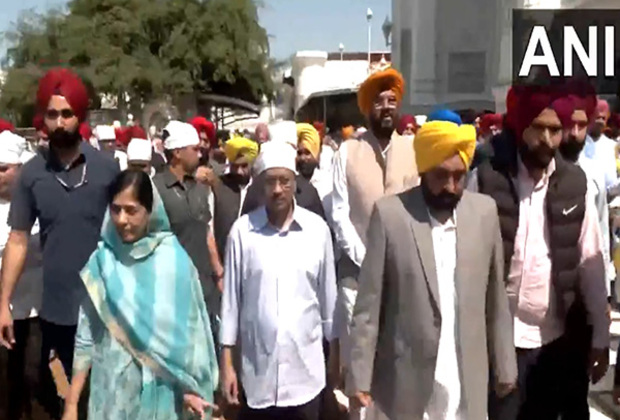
(279, 298)
(26, 299)
(601, 148)
(376, 164)
(432, 311)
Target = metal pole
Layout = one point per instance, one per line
(369, 40)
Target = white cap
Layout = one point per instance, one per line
(284, 132)
(13, 149)
(275, 154)
(117, 124)
(180, 135)
(139, 149)
(105, 133)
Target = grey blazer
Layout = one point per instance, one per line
(396, 321)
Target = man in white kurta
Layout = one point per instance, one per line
(279, 298)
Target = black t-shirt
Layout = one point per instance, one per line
(70, 204)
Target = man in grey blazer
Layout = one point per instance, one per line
(432, 312)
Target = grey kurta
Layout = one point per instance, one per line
(397, 321)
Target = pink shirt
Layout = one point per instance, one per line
(536, 320)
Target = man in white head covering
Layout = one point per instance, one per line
(187, 205)
(139, 156)
(279, 325)
(26, 299)
(106, 136)
(283, 133)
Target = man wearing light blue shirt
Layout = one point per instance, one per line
(279, 298)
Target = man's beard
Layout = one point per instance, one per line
(306, 169)
(539, 158)
(383, 127)
(62, 139)
(444, 201)
(571, 149)
(238, 179)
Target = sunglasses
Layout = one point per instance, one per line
(53, 114)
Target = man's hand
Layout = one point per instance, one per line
(361, 400)
(599, 362)
(230, 386)
(7, 338)
(206, 175)
(503, 390)
(71, 412)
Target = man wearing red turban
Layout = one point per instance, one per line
(6, 126)
(407, 126)
(553, 259)
(66, 190)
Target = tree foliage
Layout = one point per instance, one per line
(145, 49)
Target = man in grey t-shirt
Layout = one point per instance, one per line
(187, 205)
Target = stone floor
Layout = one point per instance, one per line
(601, 404)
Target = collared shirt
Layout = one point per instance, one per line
(445, 402)
(187, 206)
(603, 152)
(598, 192)
(323, 181)
(536, 321)
(278, 304)
(70, 203)
(346, 235)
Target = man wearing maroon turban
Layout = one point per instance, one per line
(66, 189)
(553, 262)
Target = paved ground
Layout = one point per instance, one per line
(601, 405)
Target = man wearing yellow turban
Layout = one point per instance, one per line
(309, 149)
(241, 147)
(438, 246)
(229, 194)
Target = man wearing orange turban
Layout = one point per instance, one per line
(374, 164)
(66, 189)
(376, 85)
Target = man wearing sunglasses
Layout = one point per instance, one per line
(66, 189)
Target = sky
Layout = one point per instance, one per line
(292, 25)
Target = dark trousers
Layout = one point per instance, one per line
(553, 381)
(308, 411)
(22, 361)
(60, 339)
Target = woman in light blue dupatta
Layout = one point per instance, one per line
(144, 332)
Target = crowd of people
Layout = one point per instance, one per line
(456, 269)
